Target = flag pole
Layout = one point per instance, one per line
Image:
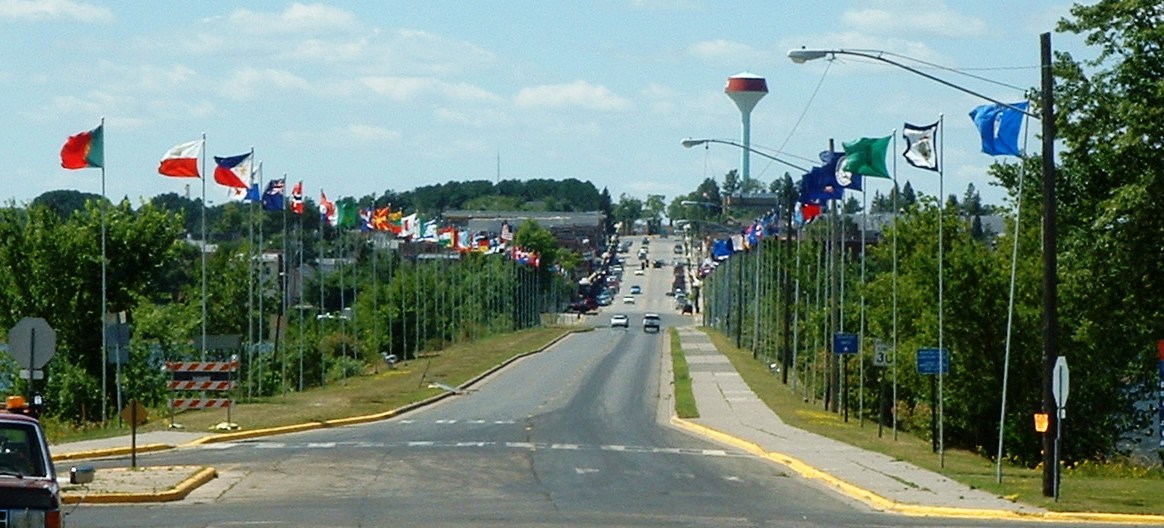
(299, 280)
(283, 310)
(250, 272)
(1010, 310)
(104, 291)
(262, 282)
(896, 235)
(204, 248)
(941, 272)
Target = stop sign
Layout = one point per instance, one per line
(32, 343)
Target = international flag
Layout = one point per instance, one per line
(999, 127)
(327, 212)
(365, 219)
(297, 198)
(866, 156)
(84, 150)
(273, 196)
(234, 171)
(181, 161)
(347, 214)
(921, 146)
(380, 219)
(820, 183)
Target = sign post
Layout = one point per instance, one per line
(1160, 404)
(1060, 382)
(845, 344)
(32, 343)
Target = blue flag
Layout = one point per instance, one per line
(999, 127)
(820, 183)
(273, 196)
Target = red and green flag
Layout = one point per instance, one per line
(84, 150)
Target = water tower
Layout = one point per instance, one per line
(746, 89)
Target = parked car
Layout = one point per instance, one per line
(585, 305)
(651, 322)
(29, 492)
(619, 320)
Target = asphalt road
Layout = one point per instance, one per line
(574, 436)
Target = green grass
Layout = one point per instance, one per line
(361, 395)
(1091, 487)
(684, 398)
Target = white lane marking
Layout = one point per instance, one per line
(481, 444)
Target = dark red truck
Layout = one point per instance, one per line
(29, 492)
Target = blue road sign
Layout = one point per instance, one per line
(930, 361)
(844, 343)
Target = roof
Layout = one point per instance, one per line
(6, 416)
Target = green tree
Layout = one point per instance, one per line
(628, 211)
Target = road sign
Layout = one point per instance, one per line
(844, 343)
(881, 355)
(933, 361)
(1060, 382)
(32, 342)
(134, 413)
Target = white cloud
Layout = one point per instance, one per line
(248, 83)
(297, 19)
(721, 50)
(370, 133)
(411, 88)
(900, 17)
(54, 9)
(475, 118)
(576, 94)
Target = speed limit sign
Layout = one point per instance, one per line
(881, 355)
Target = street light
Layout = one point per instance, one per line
(1050, 264)
(688, 143)
(802, 55)
(786, 359)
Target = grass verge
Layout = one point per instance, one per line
(684, 398)
(1110, 488)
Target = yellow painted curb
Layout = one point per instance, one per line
(883, 504)
(109, 452)
(176, 493)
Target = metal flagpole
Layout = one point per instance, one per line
(1010, 313)
(282, 339)
(895, 237)
(104, 290)
(299, 280)
(251, 276)
(262, 281)
(204, 247)
(941, 271)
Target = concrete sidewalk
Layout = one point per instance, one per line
(731, 413)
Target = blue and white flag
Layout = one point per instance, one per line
(999, 127)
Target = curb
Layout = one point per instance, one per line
(880, 503)
(176, 493)
(112, 451)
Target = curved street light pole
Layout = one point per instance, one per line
(786, 355)
(1050, 246)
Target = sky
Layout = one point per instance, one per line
(356, 98)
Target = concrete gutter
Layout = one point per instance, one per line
(877, 502)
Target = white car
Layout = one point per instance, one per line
(638, 272)
(628, 300)
(618, 320)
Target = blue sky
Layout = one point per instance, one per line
(360, 97)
